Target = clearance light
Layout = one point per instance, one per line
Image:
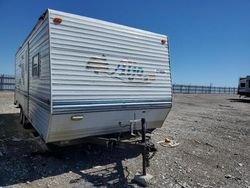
(57, 20)
(163, 41)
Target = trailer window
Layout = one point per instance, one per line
(22, 73)
(36, 65)
(242, 84)
(249, 83)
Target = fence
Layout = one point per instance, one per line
(7, 82)
(193, 89)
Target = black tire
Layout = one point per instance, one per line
(53, 148)
(27, 125)
(21, 116)
(24, 121)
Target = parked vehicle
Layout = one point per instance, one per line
(244, 86)
(78, 77)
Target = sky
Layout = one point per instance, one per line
(209, 39)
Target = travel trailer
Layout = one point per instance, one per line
(79, 77)
(244, 86)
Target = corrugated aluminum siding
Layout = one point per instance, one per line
(39, 43)
(39, 90)
(36, 43)
(36, 103)
(96, 63)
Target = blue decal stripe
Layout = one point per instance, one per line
(86, 108)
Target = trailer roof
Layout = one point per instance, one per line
(242, 78)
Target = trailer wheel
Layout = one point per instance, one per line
(24, 121)
(53, 148)
(27, 124)
(21, 116)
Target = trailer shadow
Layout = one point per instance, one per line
(244, 100)
(21, 160)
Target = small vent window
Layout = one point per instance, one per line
(242, 85)
(36, 65)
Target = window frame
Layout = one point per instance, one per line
(37, 75)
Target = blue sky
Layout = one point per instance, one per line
(209, 39)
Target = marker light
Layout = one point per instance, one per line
(57, 20)
(163, 41)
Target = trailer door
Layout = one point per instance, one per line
(25, 78)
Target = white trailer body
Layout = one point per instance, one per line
(244, 86)
(78, 77)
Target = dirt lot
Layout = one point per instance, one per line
(213, 132)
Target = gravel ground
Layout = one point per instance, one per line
(213, 133)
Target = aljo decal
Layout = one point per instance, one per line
(125, 70)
